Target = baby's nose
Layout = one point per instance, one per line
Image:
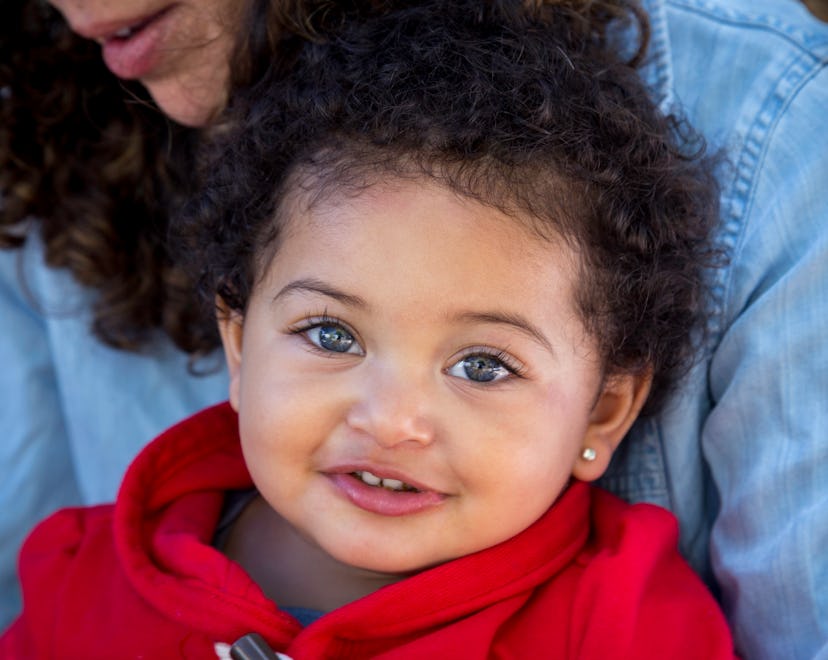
(393, 409)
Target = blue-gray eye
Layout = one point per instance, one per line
(333, 338)
(479, 368)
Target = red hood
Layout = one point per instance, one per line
(593, 578)
(165, 516)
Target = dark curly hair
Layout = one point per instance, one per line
(523, 106)
(90, 162)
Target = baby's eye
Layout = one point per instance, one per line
(480, 368)
(332, 337)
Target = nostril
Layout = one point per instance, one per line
(391, 406)
(390, 425)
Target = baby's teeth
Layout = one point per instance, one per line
(370, 479)
(123, 32)
(373, 480)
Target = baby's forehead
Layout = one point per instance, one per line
(419, 225)
(394, 214)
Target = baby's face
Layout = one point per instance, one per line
(413, 381)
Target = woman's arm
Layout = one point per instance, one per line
(765, 440)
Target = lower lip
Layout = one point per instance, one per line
(383, 501)
(137, 55)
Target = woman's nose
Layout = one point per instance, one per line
(393, 408)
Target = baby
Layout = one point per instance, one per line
(456, 251)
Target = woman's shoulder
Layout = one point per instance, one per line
(722, 61)
(787, 19)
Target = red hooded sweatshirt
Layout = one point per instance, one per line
(593, 578)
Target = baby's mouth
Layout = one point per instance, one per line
(389, 484)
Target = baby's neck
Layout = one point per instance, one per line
(292, 570)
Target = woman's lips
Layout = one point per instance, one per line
(382, 500)
(134, 49)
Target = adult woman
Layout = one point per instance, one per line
(740, 454)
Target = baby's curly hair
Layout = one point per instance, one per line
(515, 104)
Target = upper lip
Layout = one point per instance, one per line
(380, 471)
(103, 30)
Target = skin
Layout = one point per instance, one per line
(490, 456)
(189, 76)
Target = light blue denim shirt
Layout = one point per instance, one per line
(741, 453)
(73, 411)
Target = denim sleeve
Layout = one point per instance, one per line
(34, 452)
(765, 440)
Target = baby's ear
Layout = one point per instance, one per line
(621, 399)
(231, 325)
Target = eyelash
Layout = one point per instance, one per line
(509, 363)
(314, 321)
(317, 321)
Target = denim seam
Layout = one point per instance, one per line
(736, 207)
(660, 80)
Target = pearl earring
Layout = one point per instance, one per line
(589, 454)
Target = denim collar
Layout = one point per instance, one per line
(657, 70)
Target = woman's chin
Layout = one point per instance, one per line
(185, 106)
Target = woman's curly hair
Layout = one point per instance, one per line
(523, 106)
(96, 168)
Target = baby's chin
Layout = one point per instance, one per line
(384, 564)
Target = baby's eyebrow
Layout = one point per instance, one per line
(510, 319)
(312, 285)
